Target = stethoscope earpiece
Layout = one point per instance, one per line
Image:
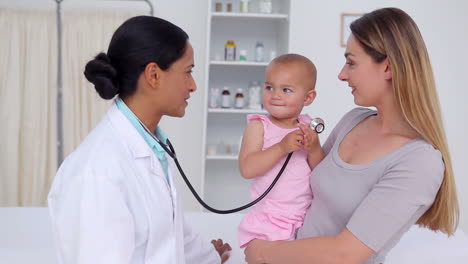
(318, 125)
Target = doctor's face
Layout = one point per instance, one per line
(177, 83)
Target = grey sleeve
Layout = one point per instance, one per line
(402, 195)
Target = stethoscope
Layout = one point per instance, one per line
(316, 124)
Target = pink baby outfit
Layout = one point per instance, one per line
(282, 211)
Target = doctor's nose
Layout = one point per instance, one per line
(192, 86)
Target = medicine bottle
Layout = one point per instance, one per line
(229, 7)
(226, 98)
(265, 6)
(244, 6)
(239, 101)
(214, 94)
(243, 55)
(259, 53)
(230, 51)
(255, 95)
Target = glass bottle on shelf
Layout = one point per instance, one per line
(245, 6)
(230, 51)
(265, 6)
(226, 98)
(255, 95)
(239, 101)
(259, 53)
(214, 94)
(243, 55)
(229, 7)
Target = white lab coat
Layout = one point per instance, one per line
(110, 203)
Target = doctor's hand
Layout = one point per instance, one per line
(253, 252)
(223, 249)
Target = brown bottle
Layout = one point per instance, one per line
(239, 101)
(226, 98)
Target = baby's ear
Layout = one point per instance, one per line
(310, 97)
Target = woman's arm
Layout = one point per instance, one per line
(395, 202)
(339, 249)
(253, 161)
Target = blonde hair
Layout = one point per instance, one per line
(291, 58)
(391, 33)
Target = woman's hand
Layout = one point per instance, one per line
(253, 254)
(222, 249)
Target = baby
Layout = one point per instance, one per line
(289, 86)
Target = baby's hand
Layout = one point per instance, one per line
(311, 140)
(292, 141)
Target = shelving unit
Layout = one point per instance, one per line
(222, 185)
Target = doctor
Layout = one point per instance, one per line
(113, 199)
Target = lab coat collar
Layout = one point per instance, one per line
(135, 142)
(158, 150)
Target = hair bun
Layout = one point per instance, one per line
(102, 74)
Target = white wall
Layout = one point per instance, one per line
(315, 32)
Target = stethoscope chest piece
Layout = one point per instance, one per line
(318, 125)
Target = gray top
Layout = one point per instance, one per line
(378, 201)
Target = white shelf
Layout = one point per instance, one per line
(239, 63)
(224, 127)
(236, 111)
(249, 15)
(221, 157)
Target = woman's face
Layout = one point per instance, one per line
(365, 76)
(177, 83)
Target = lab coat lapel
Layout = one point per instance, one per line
(137, 145)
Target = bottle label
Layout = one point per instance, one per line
(214, 97)
(225, 101)
(230, 53)
(259, 54)
(239, 102)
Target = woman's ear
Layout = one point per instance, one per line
(388, 70)
(310, 97)
(152, 74)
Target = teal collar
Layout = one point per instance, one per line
(157, 149)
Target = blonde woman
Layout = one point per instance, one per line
(384, 170)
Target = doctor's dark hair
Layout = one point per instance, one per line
(391, 34)
(138, 41)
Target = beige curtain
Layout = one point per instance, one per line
(28, 93)
(85, 34)
(28, 75)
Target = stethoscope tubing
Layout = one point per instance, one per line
(318, 127)
(234, 210)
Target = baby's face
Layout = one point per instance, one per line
(286, 90)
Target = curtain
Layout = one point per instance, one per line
(28, 111)
(85, 34)
(28, 93)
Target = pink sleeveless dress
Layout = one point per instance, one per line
(282, 211)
